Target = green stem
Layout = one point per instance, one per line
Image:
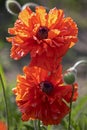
(6, 106)
(71, 107)
(38, 124)
(35, 125)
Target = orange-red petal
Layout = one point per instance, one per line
(41, 15)
(54, 17)
(25, 15)
(3, 126)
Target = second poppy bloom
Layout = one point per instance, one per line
(42, 95)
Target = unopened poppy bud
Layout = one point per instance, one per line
(69, 77)
(13, 7)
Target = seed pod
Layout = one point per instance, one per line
(69, 77)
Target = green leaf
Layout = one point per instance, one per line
(76, 110)
(82, 122)
(29, 127)
(3, 75)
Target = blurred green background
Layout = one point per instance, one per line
(77, 9)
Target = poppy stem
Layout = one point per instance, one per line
(79, 62)
(73, 68)
(71, 107)
(4, 94)
(35, 125)
(38, 124)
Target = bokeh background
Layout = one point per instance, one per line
(77, 9)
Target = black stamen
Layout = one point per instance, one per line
(46, 87)
(42, 33)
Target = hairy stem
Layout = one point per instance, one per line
(35, 125)
(71, 107)
(6, 106)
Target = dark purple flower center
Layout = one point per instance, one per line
(42, 33)
(46, 87)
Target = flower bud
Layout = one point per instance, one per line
(69, 77)
(13, 7)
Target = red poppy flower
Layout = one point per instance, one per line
(49, 63)
(3, 126)
(42, 95)
(41, 33)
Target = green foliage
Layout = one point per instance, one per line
(80, 105)
(79, 116)
(3, 76)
